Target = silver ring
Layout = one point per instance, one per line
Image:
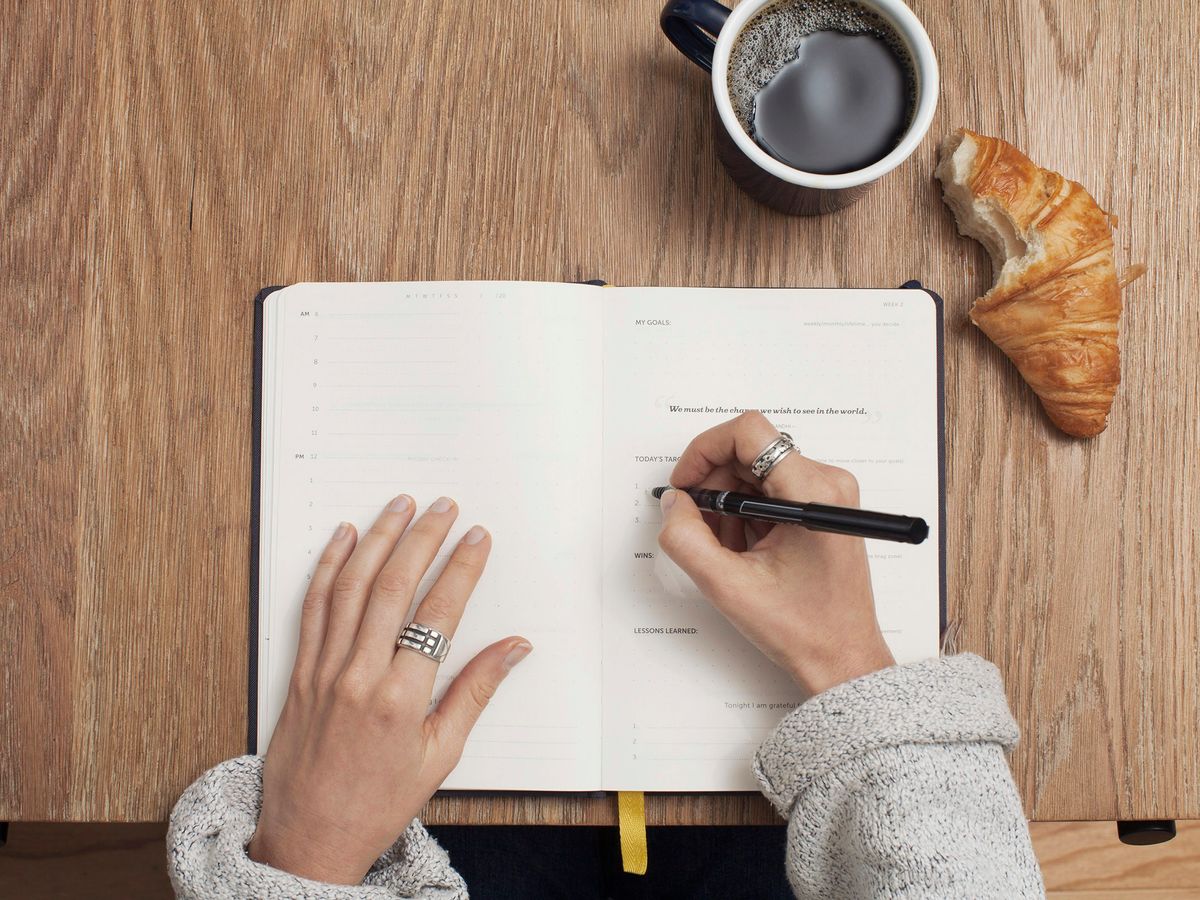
(424, 640)
(770, 457)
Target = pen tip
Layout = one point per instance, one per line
(657, 492)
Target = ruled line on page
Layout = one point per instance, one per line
(410, 387)
(377, 481)
(476, 740)
(351, 506)
(389, 362)
(535, 758)
(425, 410)
(521, 725)
(705, 727)
(392, 434)
(385, 315)
(377, 456)
(695, 743)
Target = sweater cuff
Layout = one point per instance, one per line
(216, 816)
(955, 699)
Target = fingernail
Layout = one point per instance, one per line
(516, 654)
(342, 531)
(475, 535)
(400, 504)
(667, 500)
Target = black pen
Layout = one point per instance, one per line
(813, 516)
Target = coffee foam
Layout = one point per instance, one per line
(771, 38)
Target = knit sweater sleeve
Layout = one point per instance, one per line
(896, 785)
(215, 818)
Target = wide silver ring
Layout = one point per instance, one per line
(424, 640)
(770, 457)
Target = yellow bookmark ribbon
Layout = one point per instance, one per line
(631, 819)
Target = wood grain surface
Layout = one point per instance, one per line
(1081, 859)
(160, 162)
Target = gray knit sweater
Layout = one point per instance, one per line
(893, 785)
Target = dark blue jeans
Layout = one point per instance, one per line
(688, 863)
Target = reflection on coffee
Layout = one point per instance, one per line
(823, 86)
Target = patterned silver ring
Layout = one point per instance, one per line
(770, 457)
(424, 640)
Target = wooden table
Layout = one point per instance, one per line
(163, 161)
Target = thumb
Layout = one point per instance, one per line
(687, 539)
(467, 696)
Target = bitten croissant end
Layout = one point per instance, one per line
(1055, 306)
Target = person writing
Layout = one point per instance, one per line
(893, 779)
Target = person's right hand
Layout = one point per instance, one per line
(802, 597)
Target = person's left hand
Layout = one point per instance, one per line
(355, 755)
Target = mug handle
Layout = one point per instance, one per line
(692, 26)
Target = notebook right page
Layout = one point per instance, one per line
(853, 377)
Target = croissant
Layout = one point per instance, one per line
(1055, 305)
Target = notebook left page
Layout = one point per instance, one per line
(487, 392)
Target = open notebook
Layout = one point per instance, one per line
(547, 411)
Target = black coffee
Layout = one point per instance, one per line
(824, 86)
